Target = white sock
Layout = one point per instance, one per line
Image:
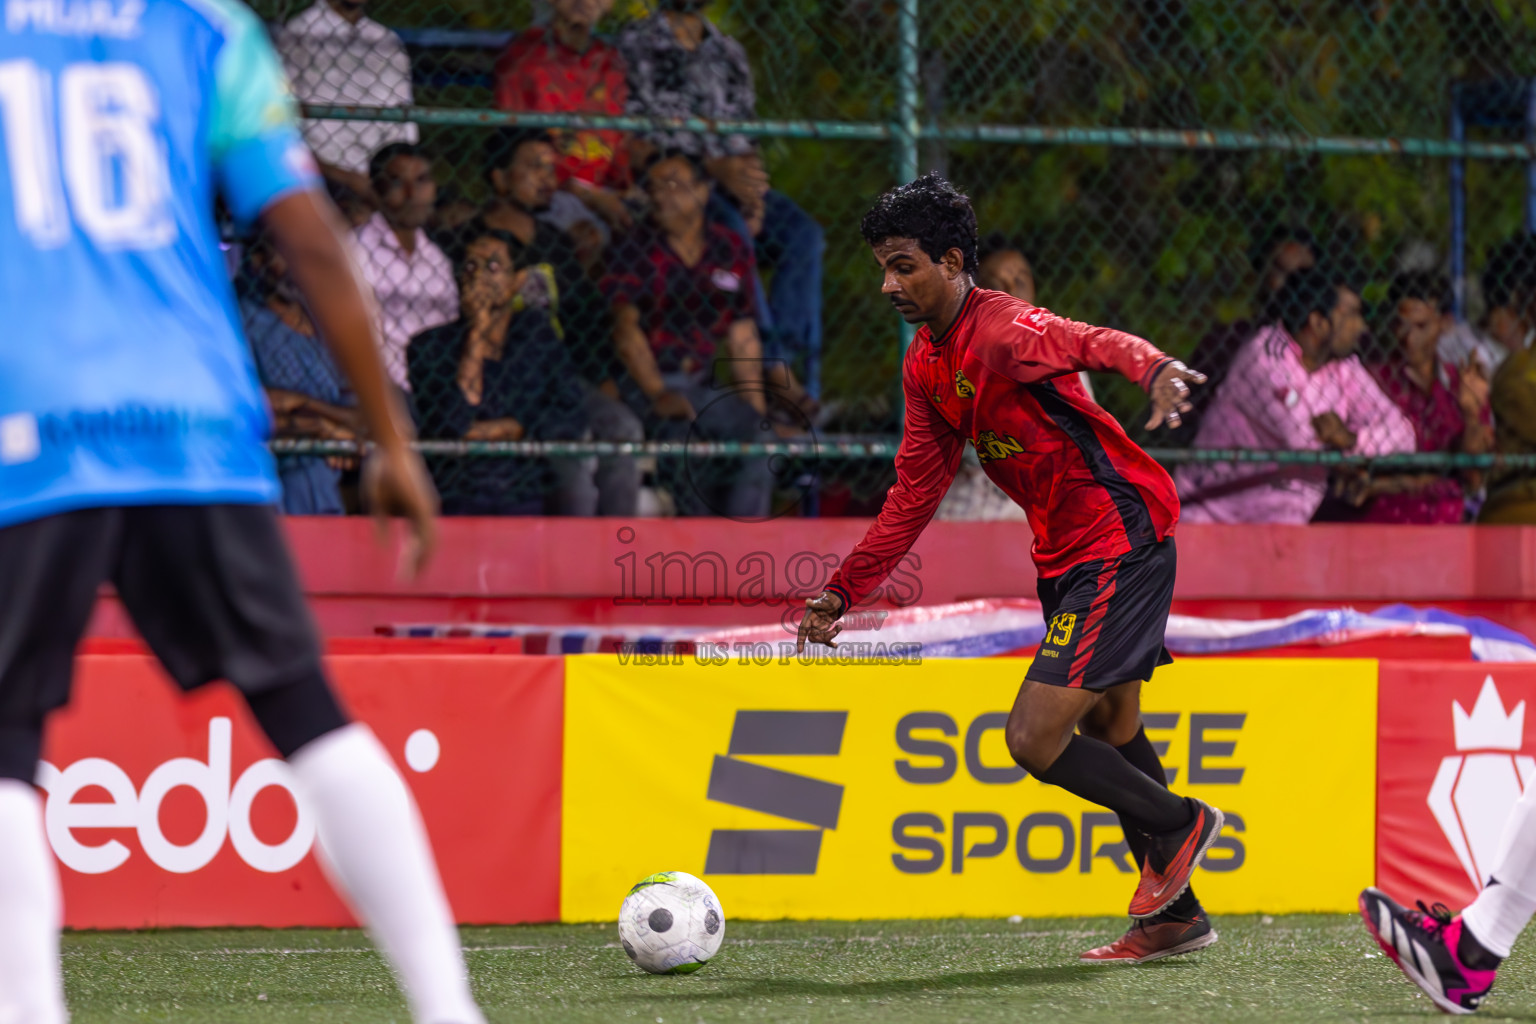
(1501, 912)
(31, 911)
(376, 848)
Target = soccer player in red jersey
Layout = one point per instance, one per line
(998, 372)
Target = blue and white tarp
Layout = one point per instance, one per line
(995, 626)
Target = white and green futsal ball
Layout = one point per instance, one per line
(671, 923)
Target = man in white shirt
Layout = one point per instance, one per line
(334, 55)
(411, 277)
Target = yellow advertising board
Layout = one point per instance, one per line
(886, 791)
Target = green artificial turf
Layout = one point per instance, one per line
(1263, 969)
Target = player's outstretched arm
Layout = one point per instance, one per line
(1029, 344)
(926, 464)
(1170, 394)
(307, 232)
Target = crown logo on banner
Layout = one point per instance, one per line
(1476, 787)
(1488, 727)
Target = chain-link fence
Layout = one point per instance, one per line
(1167, 168)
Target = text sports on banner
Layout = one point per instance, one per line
(856, 791)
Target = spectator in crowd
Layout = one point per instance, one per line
(680, 291)
(1280, 252)
(335, 55)
(497, 373)
(411, 278)
(307, 392)
(565, 69)
(1296, 384)
(1509, 285)
(520, 169)
(1446, 404)
(1002, 266)
(682, 65)
(1512, 493)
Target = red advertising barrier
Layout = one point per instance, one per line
(715, 572)
(169, 811)
(1453, 756)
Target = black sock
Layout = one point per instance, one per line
(1471, 952)
(1095, 771)
(1143, 756)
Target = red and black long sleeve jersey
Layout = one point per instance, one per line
(1003, 376)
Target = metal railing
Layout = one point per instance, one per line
(1009, 134)
(1117, 243)
(825, 449)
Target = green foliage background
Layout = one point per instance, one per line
(1153, 241)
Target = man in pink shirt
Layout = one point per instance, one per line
(1296, 384)
(412, 280)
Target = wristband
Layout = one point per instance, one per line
(842, 595)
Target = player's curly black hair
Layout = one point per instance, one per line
(931, 210)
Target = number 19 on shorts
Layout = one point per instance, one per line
(97, 145)
(1059, 632)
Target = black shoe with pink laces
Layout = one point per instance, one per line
(1426, 945)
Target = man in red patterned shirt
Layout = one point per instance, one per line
(564, 69)
(1000, 373)
(679, 288)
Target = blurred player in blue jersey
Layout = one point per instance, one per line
(131, 441)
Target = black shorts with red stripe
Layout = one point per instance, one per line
(1104, 620)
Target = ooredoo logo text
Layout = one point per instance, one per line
(228, 810)
(226, 799)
